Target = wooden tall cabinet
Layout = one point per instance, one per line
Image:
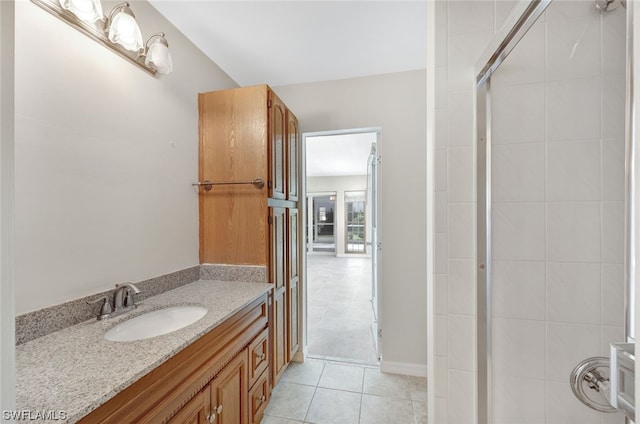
(248, 134)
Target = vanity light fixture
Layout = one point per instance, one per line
(123, 29)
(118, 31)
(87, 11)
(156, 54)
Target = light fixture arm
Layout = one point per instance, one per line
(160, 36)
(116, 9)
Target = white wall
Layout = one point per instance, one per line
(7, 320)
(397, 104)
(105, 157)
(338, 184)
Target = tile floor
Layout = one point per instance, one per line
(329, 392)
(340, 315)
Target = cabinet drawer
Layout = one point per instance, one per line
(258, 356)
(258, 398)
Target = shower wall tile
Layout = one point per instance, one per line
(610, 334)
(463, 51)
(462, 286)
(440, 257)
(518, 172)
(615, 54)
(460, 118)
(442, 129)
(441, 7)
(563, 407)
(442, 376)
(462, 342)
(518, 113)
(503, 11)
(519, 289)
(462, 397)
(613, 169)
(570, 52)
(440, 173)
(519, 348)
(568, 345)
(569, 178)
(526, 64)
(573, 232)
(441, 288)
(613, 106)
(518, 401)
(442, 335)
(573, 109)
(518, 231)
(461, 171)
(573, 292)
(466, 16)
(565, 10)
(441, 219)
(441, 411)
(612, 232)
(462, 236)
(612, 294)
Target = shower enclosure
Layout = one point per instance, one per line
(550, 210)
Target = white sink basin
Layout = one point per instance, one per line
(155, 323)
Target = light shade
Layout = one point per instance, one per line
(123, 28)
(157, 55)
(87, 11)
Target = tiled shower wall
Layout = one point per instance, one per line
(558, 211)
(558, 204)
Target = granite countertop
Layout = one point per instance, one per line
(76, 370)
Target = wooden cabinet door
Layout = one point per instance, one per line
(277, 149)
(229, 392)
(277, 235)
(293, 278)
(196, 411)
(293, 144)
(279, 334)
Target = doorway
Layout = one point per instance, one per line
(341, 266)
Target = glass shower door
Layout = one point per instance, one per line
(554, 215)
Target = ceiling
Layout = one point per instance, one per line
(292, 42)
(338, 155)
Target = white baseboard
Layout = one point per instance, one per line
(417, 370)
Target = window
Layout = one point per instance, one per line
(355, 209)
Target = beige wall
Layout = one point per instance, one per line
(105, 157)
(397, 104)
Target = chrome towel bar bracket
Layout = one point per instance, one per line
(258, 183)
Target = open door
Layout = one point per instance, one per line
(372, 199)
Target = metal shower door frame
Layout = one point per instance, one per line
(483, 210)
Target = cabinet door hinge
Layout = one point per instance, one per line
(270, 184)
(379, 160)
(270, 220)
(379, 333)
(268, 102)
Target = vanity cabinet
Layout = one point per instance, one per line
(246, 134)
(210, 377)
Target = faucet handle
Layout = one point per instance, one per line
(105, 309)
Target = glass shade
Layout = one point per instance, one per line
(124, 30)
(158, 57)
(87, 11)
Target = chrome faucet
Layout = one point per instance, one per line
(122, 301)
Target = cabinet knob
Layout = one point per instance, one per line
(262, 356)
(261, 399)
(218, 409)
(211, 417)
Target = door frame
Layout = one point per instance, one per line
(301, 355)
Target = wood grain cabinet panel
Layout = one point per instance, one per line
(229, 391)
(293, 137)
(259, 398)
(196, 411)
(248, 133)
(258, 356)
